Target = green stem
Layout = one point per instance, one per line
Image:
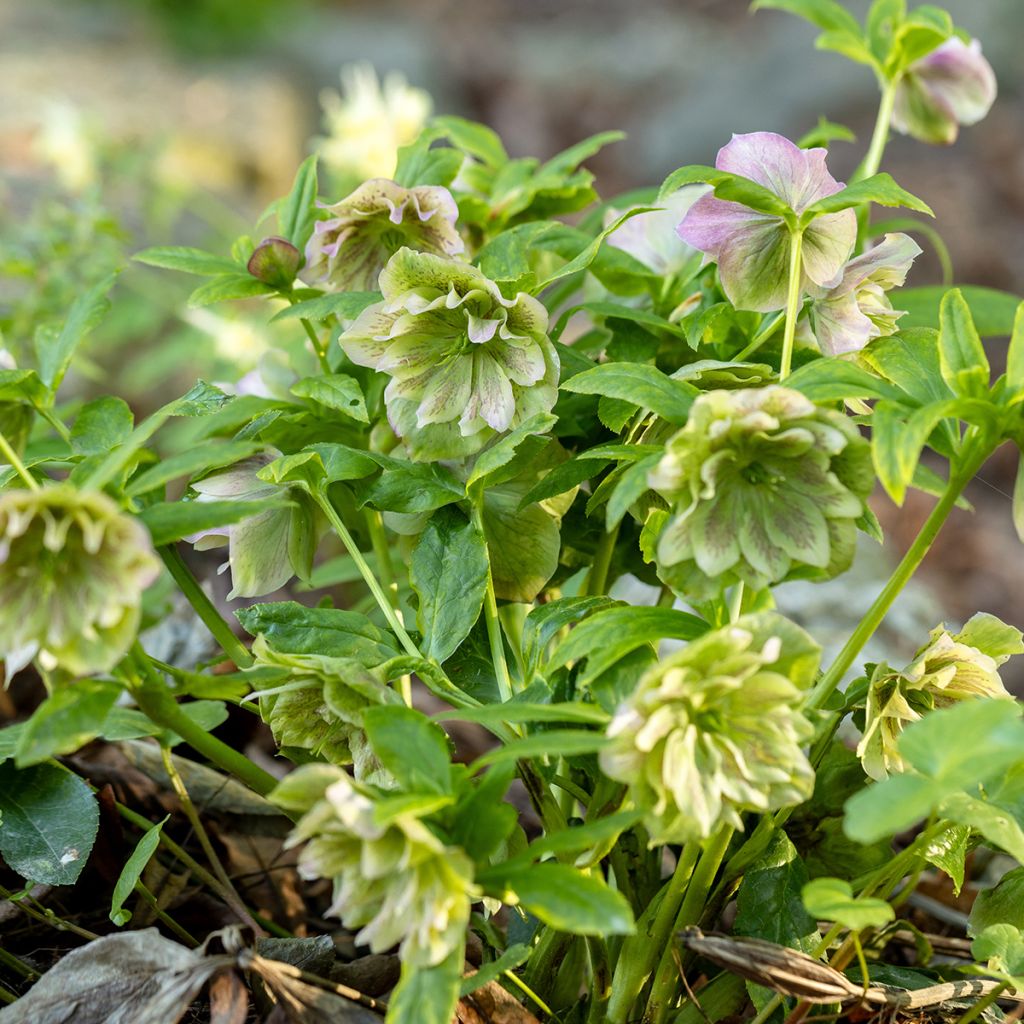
(7, 996)
(873, 158)
(187, 937)
(736, 602)
(760, 338)
(47, 916)
(899, 579)
(597, 580)
(793, 297)
(13, 963)
(54, 421)
(974, 1012)
(494, 634)
(204, 607)
(314, 338)
(364, 570)
(17, 465)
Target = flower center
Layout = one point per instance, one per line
(755, 473)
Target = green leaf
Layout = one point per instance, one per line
(948, 852)
(491, 460)
(831, 379)
(296, 212)
(413, 487)
(961, 354)
(732, 187)
(523, 711)
(71, 716)
(210, 455)
(558, 742)
(832, 899)
(101, 425)
(48, 822)
(187, 260)
(228, 286)
(427, 995)
(410, 746)
(128, 724)
(336, 391)
(343, 305)
(1002, 946)
(848, 45)
(168, 521)
(999, 828)
(420, 163)
(449, 572)
(889, 807)
(54, 352)
(828, 15)
(879, 188)
(132, 872)
(1003, 904)
(993, 311)
(476, 139)
(22, 386)
(596, 836)
(642, 385)
(512, 957)
(1015, 353)
(543, 624)
(1018, 499)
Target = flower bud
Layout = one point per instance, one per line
(275, 261)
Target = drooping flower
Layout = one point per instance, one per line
(762, 485)
(846, 317)
(951, 86)
(393, 877)
(466, 363)
(367, 124)
(652, 237)
(716, 729)
(267, 549)
(348, 250)
(948, 669)
(72, 571)
(752, 249)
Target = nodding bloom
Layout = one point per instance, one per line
(950, 668)
(652, 237)
(73, 568)
(762, 485)
(716, 729)
(394, 878)
(752, 249)
(846, 317)
(466, 363)
(951, 86)
(349, 248)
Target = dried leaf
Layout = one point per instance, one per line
(491, 1004)
(229, 999)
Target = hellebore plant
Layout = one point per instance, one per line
(537, 462)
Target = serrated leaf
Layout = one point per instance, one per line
(69, 718)
(993, 311)
(168, 521)
(732, 187)
(879, 188)
(295, 213)
(832, 899)
(54, 352)
(336, 391)
(187, 260)
(344, 305)
(101, 425)
(224, 287)
(642, 385)
(828, 15)
(961, 354)
(412, 747)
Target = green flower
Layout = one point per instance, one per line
(716, 729)
(948, 669)
(393, 877)
(72, 571)
(465, 363)
(763, 486)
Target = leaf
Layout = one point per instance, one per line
(1015, 353)
(543, 624)
(879, 188)
(642, 385)
(961, 354)
(48, 822)
(1002, 946)
(132, 872)
(599, 833)
(998, 827)
(54, 353)
(948, 852)
(187, 260)
(101, 425)
(295, 213)
(343, 305)
(412, 747)
(732, 187)
(993, 311)
(71, 716)
(22, 386)
(522, 711)
(498, 455)
(887, 808)
(830, 379)
(558, 742)
(413, 487)
(832, 899)
(210, 455)
(449, 572)
(228, 286)
(1002, 904)
(477, 139)
(512, 957)
(1018, 499)
(427, 995)
(826, 14)
(336, 391)
(168, 521)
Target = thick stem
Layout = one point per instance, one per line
(793, 297)
(597, 579)
(8, 452)
(760, 338)
(494, 634)
(204, 607)
(873, 158)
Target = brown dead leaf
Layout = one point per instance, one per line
(229, 999)
(492, 1004)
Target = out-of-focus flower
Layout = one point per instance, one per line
(348, 250)
(652, 238)
(235, 339)
(951, 86)
(72, 571)
(367, 124)
(845, 318)
(948, 669)
(465, 362)
(393, 877)
(752, 249)
(265, 550)
(64, 143)
(762, 484)
(716, 729)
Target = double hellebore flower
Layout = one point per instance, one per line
(951, 86)
(948, 669)
(393, 877)
(752, 249)
(716, 729)
(348, 250)
(72, 571)
(465, 362)
(762, 484)
(846, 317)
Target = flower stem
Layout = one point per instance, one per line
(187, 937)
(8, 452)
(873, 158)
(494, 634)
(204, 607)
(597, 579)
(46, 916)
(767, 330)
(795, 294)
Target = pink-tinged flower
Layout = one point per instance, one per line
(845, 318)
(349, 249)
(752, 249)
(953, 85)
(652, 237)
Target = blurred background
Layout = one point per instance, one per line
(126, 123)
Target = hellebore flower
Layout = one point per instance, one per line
(348, 250)
(716, 729)
(652, 237)
(951, 86)
(72, 571)
(466, 363)
(948, 669)
(264, 550)
(393, 877)
(752, 249)
(762, 484)
(845, 318)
